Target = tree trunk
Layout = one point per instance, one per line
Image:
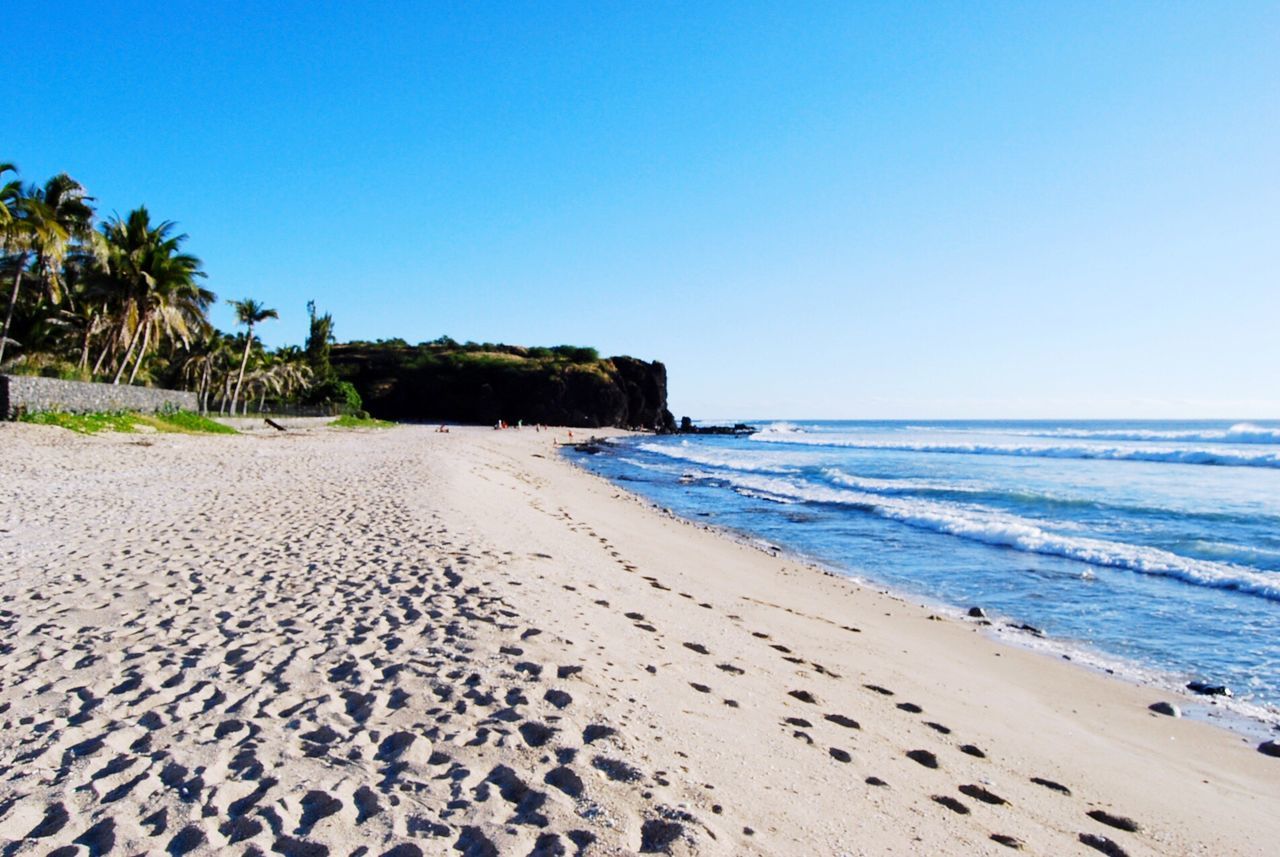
(244, 359)
(226, 395)
(13, 302)
(204, 389)
(106, 347)
(84, 348)
(129, 351)
(142, 354)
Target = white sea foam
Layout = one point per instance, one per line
(1238, 433)
(712, 457)
(1108, 453)
(783, 427)
(998, 528)
(896, 486)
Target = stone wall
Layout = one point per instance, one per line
(20, 393)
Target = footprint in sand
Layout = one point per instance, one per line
(950, 803)
(1051, 785)
(558, 698)
(1007, 841)
(1103, 844)
(616, 770)
(1119, 822)
(977, 792)
(841, 720)
(923, 757)
(597, 732)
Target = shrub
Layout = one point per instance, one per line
(361, 419)
(333, 391)
(576, 353)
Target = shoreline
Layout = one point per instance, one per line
(561, 661)
(1254, 721)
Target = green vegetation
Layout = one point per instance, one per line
(82, 423)
(185, 422)
(359, 421)
(443, 380)
(122, 302)
(248, 312)
(173, 422)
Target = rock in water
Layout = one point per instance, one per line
(1165, 708)
(1205, 689)
(977, 613)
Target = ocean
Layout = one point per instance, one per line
(1148, 548)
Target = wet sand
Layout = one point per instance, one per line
(403, 642)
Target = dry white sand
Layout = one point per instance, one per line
(404, 642)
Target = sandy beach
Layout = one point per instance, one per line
(404, 642)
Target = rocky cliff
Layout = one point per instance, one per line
(483, 384)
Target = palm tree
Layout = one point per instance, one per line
(287, 373)
(12, 231)
(9, 193)
(151, 286)
(43, 222)
(68, 205)
(248, 312)
(208, 356)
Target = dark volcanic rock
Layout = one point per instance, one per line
(1205, 689)
(687, 427)
(483, 384)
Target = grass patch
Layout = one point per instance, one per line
(82, 423)
(350, 421)
(185, 422)
(178, 422)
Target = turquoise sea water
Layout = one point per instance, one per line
(1152, 545)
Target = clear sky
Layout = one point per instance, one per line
(804, 209)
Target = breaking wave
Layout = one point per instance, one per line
(997, 528)
(1168, 455)
(1238, 433)
(710, 457)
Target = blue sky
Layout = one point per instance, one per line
(805, 210)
